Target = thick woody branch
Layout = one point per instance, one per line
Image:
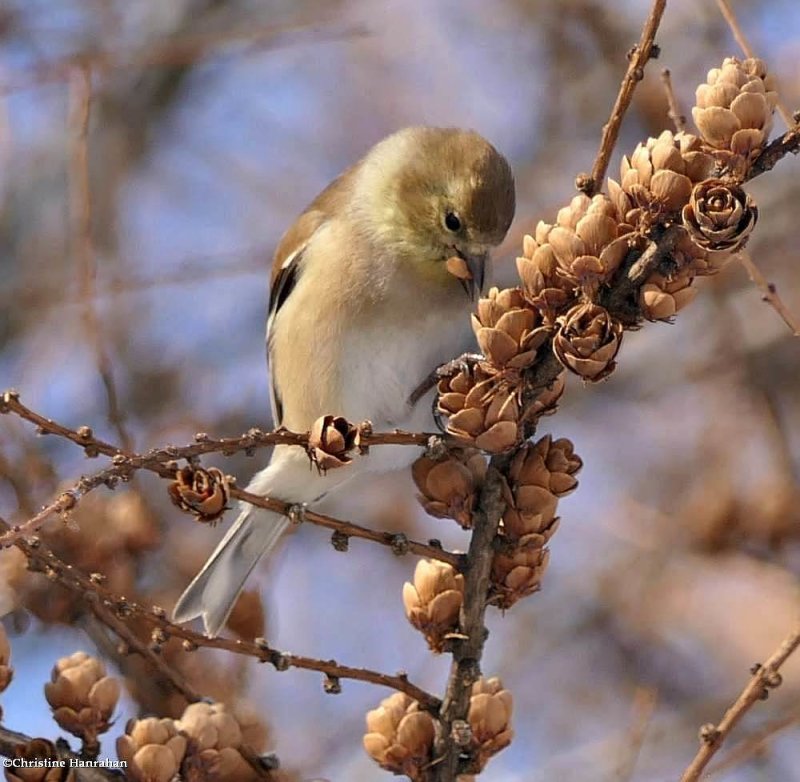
(788, 143)
(765, 677)
(468, 650)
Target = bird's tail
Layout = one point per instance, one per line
(213, 591)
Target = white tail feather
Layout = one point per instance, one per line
(213, 591)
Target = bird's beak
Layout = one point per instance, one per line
(476, 266)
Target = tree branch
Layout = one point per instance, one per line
(638, 58)
(92, 590)
(467, 651)
(765, 677)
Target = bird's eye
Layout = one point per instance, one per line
(452, 222)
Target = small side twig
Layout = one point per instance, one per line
(755, 743)
(161, 462)
(92, 590)
(133, 644)
(80, 95)
(769, 293)
(764, 678)
(638, 58)
(788, 143)
(674, 109)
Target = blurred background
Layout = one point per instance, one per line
(213, 123)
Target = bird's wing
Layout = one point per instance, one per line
(287, 263)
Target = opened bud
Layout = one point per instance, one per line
(587, 341)
(433, 601)
(201, 492)
(508, 329)
(483, 409)
(661, 298)
(518, 574)
(330, 442)
(449, 486)
(399, 736)
(39, 751)
(719, 216)
(735, 106)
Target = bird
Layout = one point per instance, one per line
(363, 306)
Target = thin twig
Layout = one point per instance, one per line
(769, 293)
(741, 39)
(180, 51)
(638, 58)
(80, 97)
(90, 588)
(755, 743)
(644, 707)
(161, 461)
(674, 110)
(132, 643)
(765, 677)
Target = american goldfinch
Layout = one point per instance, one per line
(363, 306)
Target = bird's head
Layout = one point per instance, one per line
(437, 194)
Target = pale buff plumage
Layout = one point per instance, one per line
(362, 309)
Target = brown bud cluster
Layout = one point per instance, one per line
(330, 442)
(581, 250)
(719, 216)
(483, 408)
(153, 749)
(656, 180)
(203, 744)
(201, 492)
(735, 106)
(39, 750)
(449, 487)
(538, 475)
(433, 601)
(587, 341)
(508, 332)
(489, 717)
(214, 741)
(6, 671)
(82, 697)
(399, 736)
